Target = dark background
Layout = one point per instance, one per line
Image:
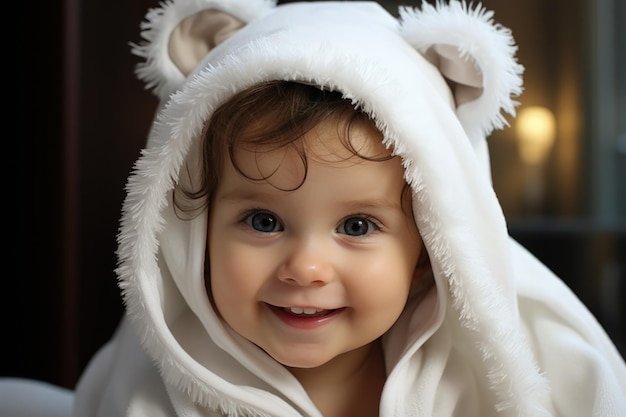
(83, 119)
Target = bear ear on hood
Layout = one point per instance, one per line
(476, 57)
(198, 34)
(178, 35)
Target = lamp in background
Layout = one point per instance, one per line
(535, 129)
(536, 132)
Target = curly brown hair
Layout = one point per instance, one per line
(269, 116)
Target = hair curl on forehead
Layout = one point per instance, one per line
(268, 116)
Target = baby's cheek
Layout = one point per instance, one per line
(235, 271)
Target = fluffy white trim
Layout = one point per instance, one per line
(491, 45)
(158, 71)
(472, 31)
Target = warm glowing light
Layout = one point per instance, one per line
(536, 130)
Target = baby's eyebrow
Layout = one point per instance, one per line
(247, 195)
(373, 204)
(351, 205)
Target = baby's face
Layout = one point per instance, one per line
(324, 269)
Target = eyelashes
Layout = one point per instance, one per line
(358, 225)
(353, 225)
(262, 221)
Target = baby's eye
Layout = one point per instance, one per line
(357, 226)
(263, 221)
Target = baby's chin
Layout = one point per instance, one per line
(295, 363)
(314, 359)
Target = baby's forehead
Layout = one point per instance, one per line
(361, 137)
(332, 139)
(287, 165)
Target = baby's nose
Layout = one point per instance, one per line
(308, 263)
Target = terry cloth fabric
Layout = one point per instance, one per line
(499, 334)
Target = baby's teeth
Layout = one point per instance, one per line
(298, 310)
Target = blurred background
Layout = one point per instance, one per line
(559, 169)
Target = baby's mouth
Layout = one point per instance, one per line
(305, 318)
